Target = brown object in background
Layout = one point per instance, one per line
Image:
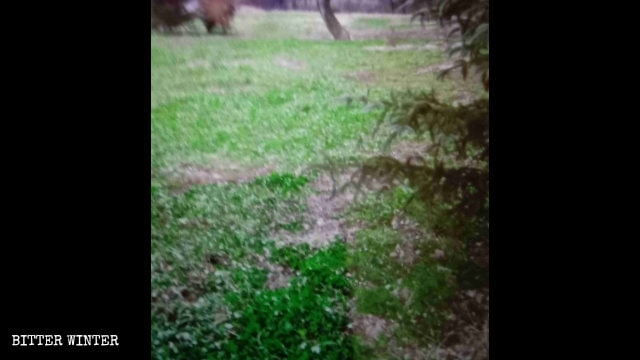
(217, 12)
(169, 14)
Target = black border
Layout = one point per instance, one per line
(532, 126)
(77, 177)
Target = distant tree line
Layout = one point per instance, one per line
(365, 6)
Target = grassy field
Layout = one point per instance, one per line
(237, 121)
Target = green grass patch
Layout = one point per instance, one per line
(273, 94)
(370, 23)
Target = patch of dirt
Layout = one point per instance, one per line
(200, 63)
(183, 176)
(407, 352)
(195, 285)
(408, 150)
(467, 332)
(291, 64)
(429, 32)
(363, 76)
(239, 62)
(279, 276)
(323, 222)
(406, 253)
(405, 295)
(465, 98)
(370, 327)
(240, 88)
(350, 231)
(404, 47)
(435, 68)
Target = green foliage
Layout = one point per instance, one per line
(452, 177)
(379, 301)
(371, 262)
(274, 100)
(454, 170)
(432, 291)
(292, 256)
(472, 31)
(283, 182)
(381, 259)
(472, 17)
(306, 320)
(450, 181)
(210, 300)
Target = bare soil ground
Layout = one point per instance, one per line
(183, 176)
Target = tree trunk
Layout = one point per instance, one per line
(338, 32)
